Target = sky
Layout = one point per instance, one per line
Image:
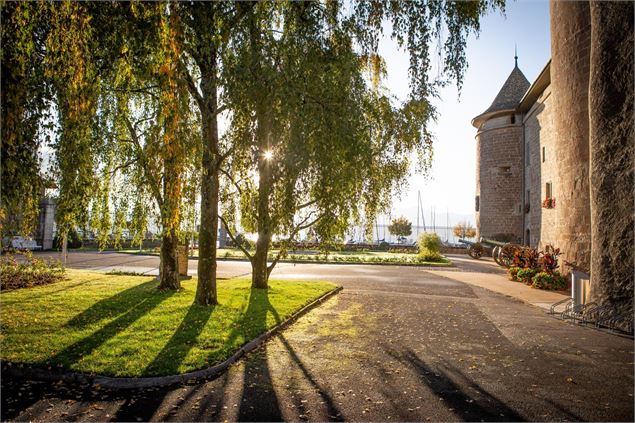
(450, 187)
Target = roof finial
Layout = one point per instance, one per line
(516, 55)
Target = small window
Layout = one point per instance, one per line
(477, 202)
(527, 238)
(548, 190)
(504, 170)
(544, 154)
(513, 119)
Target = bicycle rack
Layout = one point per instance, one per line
(573, 312)
(600, 316)
(552, 309)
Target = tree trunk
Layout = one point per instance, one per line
(169, 271)
(259, 270)
(64, 249)
(208, 232)
(612, 155)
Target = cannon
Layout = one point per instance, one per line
(501, 252)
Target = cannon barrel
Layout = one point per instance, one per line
(492, 242)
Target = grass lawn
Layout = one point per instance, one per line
(333, 256)
(123, 326)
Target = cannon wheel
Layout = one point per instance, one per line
(506, 255)
(495, 254)
(475, 251)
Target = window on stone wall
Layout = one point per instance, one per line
(527, 200)
(548, 190)
(544, 153)
(504, 170)
(477, 202)
(513, 119)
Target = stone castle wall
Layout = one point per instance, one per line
(538, 125)
(500, 178)
(612, 131)
(570, 48)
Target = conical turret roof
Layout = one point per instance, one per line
(509, 95)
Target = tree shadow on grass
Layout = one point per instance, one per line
(130, 305)
(121, 302)
(480, 406)
(176, 349)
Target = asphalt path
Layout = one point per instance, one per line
(397, 344)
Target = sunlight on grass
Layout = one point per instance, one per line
(123, 326)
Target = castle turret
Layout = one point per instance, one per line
(499, 162)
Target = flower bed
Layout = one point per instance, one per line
(537, 269)
(22, 270)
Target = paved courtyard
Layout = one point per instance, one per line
(397, 344)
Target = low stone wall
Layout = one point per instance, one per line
(452, 250)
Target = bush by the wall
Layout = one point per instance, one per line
(526, 275)
(546, 280)
(512, 272)
(28, 271)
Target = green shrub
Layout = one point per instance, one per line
(546, 280)
(27, 272)
(433, 256)
(526, 275)
(512, 272)
(74, 241)
(383, 246)
(430, 243)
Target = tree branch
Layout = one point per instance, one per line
(231, 235)
(144, 163)
(124, 165)
(294, 232)
(224, 172)
(191, 85)
(222, 157)
(302, 206)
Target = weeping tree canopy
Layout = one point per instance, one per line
(318, 140)
(22, 104)
(314, 140)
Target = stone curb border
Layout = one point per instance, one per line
(116, 383)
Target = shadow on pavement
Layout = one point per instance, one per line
(333, 412)
(259, 401)
(467, 398)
